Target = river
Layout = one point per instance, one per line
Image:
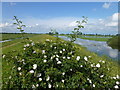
(99, 47)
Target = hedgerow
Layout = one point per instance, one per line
(56, 64)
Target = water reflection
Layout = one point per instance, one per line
(99, 47)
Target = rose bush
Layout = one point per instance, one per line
(56, 64)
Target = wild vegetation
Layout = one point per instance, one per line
(44, 61)
(114, 42)
(8, 36)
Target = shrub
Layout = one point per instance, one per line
(56, 64)
(114, 42)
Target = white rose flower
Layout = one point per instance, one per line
(70, 69)
(98, 65)
(34, 66)
(37, 85)
(32, 43)
(93, 85)
(50, 45)
(63, 49)
(47, 40)
(51, 58)
(68, 57)
(43, 51)
(44, 61)
(49, 85)
(24, 48)
(116, 86)
(90, 81)
(19, 68)
(57, 56)
(78, 58)
(3, 56)
(24, 45)
(31, 71)
(117, 82)
(117, 76)
(63, 57)
(45, 56)
(59, 62)
(85, 58)
(27, 45)
(102, 76)
(81, 65)
(39, 74)
(114, 77)
(63, 81)
(103, 61)
(63, 73)
(34, 51)
(20, 73)
(60, 51)
(92, 65)
(33, 86)
(57, 59)
(48, 78)
(23, 60)
(89, 56)
(40, 79)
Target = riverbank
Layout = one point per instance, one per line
(17, 47)
(93, 37)
(96, 38)
(114, 42)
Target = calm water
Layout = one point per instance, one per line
(99, 47)
(5, 41)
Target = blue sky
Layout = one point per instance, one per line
(41, 16)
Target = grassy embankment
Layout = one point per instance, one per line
(95, 38)
(114, 42)
(7, 36)
(18, 46)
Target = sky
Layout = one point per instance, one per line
(41, 17)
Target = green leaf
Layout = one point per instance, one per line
(19, 28)
(76, 28)
(24, 25)
(80, 26)
(78, 22)
(20, 21)
(14, 23)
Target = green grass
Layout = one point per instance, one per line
(95, 39)
(114, 42)
(14, 36)
(18, 46)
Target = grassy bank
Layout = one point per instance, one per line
(17, 46)
(6, 36)
(95, 39)
(114, 42)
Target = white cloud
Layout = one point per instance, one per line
(5, 24)
(106, 5)
(67, 24)
(115, 16)
(112, 24)
(73, 24)
(12, 3)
